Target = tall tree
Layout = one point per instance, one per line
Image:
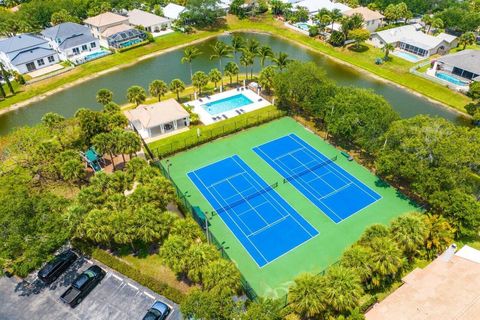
(281, 60)
(264, 53)
(222, 277)
(468, 38)
(104, 96)
(266, 78)
(335, 15)
(306, 296)
(199, 80)
(342, 290)
(409, 231)
(189, 54)
(136, 95)
(215, 76)
(158, 88)
(439, 234)
(246, 60)
(237, 45)
(387, 48)
(231, 70)
(177, 86)
(220, 51)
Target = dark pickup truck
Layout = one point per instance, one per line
(82, 286)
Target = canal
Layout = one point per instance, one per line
(167, 67)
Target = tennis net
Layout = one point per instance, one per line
(315, 167)
(248, 197)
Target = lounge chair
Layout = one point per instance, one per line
(238, 89)
(224, 116)
(208, 97)
(237, 111)
(260, 99)
(243, 88)
(242, 111)
(200, 100)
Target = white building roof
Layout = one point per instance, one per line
(146, 19)
(153, 115)
(173, 11)
(411, 34)
(105, 19)
(313, 6)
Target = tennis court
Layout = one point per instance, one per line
(333, 190)
(264, 223)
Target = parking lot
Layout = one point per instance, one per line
(116, 297)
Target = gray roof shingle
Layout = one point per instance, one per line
(69, 35)
(20, 42)
(468, 60)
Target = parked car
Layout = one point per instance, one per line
(82, 286)
(159, 311)
(58, 265)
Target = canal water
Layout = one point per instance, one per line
(167, 67)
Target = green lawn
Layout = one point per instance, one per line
(312, 256)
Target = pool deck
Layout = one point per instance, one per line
(206, 118)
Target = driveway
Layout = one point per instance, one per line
(116, 297)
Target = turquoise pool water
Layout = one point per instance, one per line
(226, 104)
(449, 78)
(96, 55)
(302, 25)
(407, 56)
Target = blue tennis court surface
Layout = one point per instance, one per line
(265, 224)
(336, 192)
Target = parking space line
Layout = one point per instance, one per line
(148, 295)
(118, 278)
(131, 285)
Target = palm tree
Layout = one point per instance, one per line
(221, 276)
(468, 38)
(265, 79)
(198, 256)
(215, 76)
(342, 290)
(131, 143)
(264, 53)
(5, 76)
(231, 70)
(387, 48)
(237, 45)
(439, 234)
(281, 61)
(220, 51)
(306, 295)
(173, 252)
(104, 96)
(136, 94)
(357, 257)
(103, 144)
(246, 60)
(177, 86)
(189, 54)
(335, 15)
(410, 233)
(427, 19)
(3, 94)
(386, 260)
(199, 80)
(158, 88)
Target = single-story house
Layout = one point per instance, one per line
(151, 22)
(114, 30)
(465, 64)
(26, 53)
(313, 6)
(446, 289)
(372, 19)
(71, 39)
(410, 38)
(173, 11)
(159, 118)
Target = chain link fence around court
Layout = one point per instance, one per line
(203, 221)
(215, 131)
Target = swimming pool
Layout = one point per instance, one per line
(407, 56)
(302, 25)
(226, 104)
(449, 78)
(96, 55)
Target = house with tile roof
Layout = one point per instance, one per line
(26, 53)
(372, 20)
(151, 22)
(71, 40)
(159, 118)
(114, 30)
(411, 39)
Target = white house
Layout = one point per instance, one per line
(173, 11)
(463, 64)
(372, 19)
(411, 39)
(114, 30)
(71, 39)
(151, 22)
(26, 53)
(159, 118)
(313, 6)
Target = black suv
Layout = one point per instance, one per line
(82, 286)
(54, 268)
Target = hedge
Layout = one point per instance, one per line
(134, 274)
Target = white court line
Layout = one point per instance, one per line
(225, 179)
(268, 226)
